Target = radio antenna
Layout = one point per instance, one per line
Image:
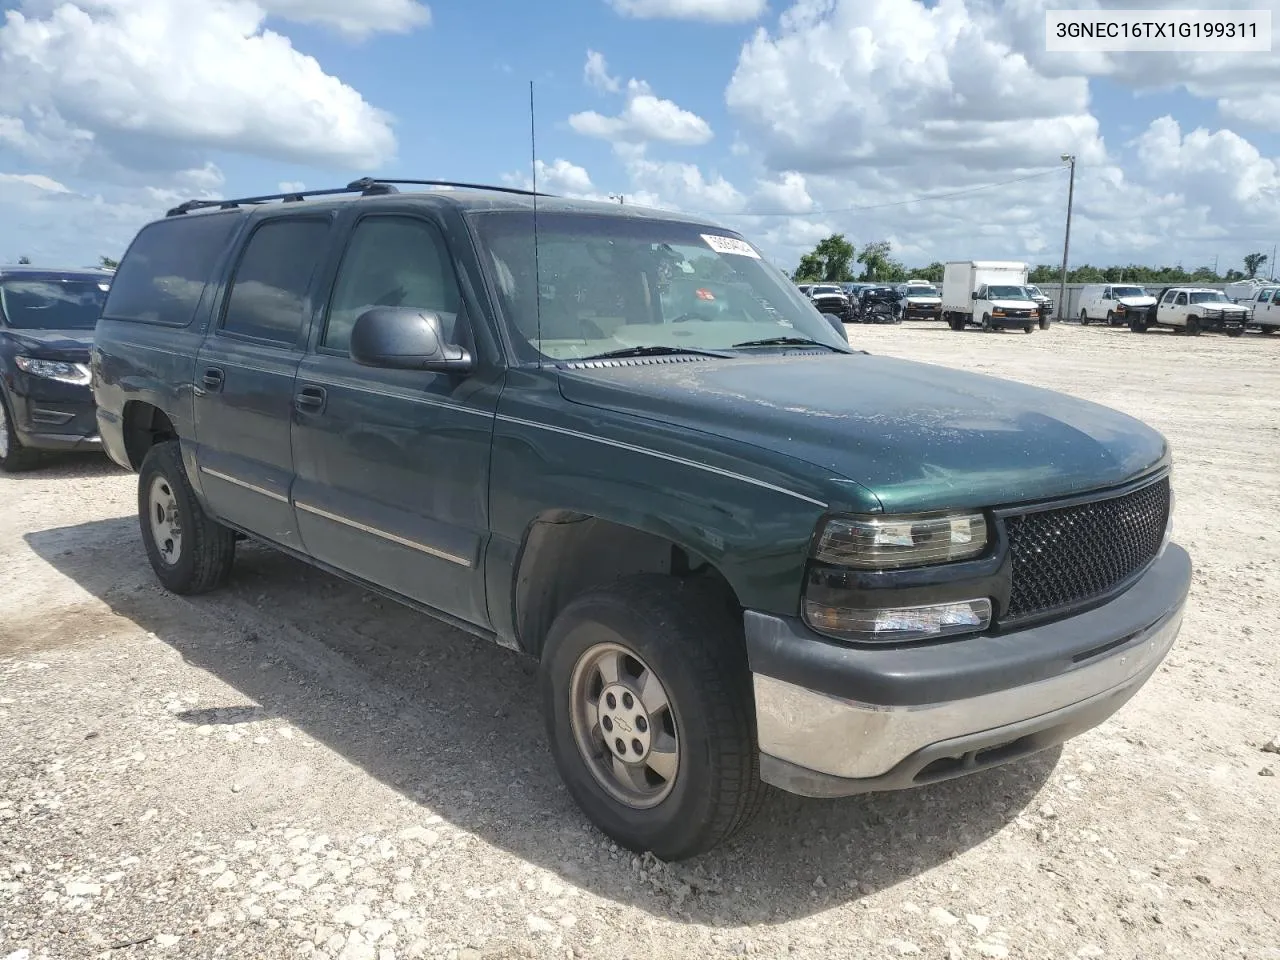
(537, 274)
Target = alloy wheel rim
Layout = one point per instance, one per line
(624, 725)
(164, 521)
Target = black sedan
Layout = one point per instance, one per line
(46, 329)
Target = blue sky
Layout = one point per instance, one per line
(775, 118)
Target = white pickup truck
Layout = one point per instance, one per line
(1264, 309)
(1193, 310)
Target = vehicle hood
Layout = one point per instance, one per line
(1014, 304)
(829, 296)
(926, 298)
(1138, 301)
(1225, 307)
(71, 346)
(918, 436)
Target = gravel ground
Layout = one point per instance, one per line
(294, 768)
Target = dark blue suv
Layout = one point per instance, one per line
(47, 318)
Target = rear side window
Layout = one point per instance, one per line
(164, 272)
(268, 298)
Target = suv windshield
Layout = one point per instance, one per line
(1209, 296)
(611, 283)
(1118, 292)
(71, 303)
(920, 290)
(1007, 293)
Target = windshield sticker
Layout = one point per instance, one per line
(730, 245)
(704, 294)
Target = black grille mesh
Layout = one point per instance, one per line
(1069, 555)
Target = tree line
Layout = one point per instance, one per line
(832, 261)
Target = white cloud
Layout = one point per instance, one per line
(596, 74)
(36, 181)
(787, 194)
(717, 11)
(292, 186)
(846, 84)
(683, 186)
(354, 19)
(645, 118)
(559, 177)
(142, 81)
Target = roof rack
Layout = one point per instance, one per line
(366, 186)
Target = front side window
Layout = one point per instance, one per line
(1181, 300)
(52, 303)
(392, 261)
(1120, 292)
(268, 297)
(610, 283)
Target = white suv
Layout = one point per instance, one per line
(1113, 302)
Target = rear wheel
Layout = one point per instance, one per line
(1266, 331)
(1084, 318)
(647, 699)
(14, 457)
(189, 551)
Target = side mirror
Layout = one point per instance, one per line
(404, 338)
(974, 295)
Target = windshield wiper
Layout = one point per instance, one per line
(652, 351)
(789, 342)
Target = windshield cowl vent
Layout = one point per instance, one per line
(633, 361)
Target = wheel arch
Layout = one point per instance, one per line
(144, 426)
(565, 553)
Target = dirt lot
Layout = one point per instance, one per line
(292, 768)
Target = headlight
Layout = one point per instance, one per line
(899, 624)
(77, 373)
(892, 543)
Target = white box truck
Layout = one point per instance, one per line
(989, 293)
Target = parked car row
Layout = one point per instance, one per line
(740, 551)
(1184, 309)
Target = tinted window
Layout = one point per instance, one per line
(58, 303)
(268, 296)
(165, 270)
(1181, 299)
(392, 262)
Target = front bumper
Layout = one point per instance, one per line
(54, 416)
(835, 720)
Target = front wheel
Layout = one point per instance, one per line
(14, 457)
(1193, 326)
(986, 324)
(648, 705)
(1028, 327)
(190, 552)
(1235, 331)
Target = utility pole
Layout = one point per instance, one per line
(621, 198)
(1273, 261)
(1068, 158)
(1215, 264)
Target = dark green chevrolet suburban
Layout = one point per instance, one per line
(621, 442)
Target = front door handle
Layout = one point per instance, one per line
(309, 400)
(213, 378)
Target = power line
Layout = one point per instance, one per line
(893, 203)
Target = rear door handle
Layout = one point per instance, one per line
(309, 400)
(213, 378)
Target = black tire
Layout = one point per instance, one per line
(1266, 331)
(1044, 323)
(1235, 331)
(690, 635)
(1193, 326)
(205, 549)
(1138, 325)
(14, 457)
(986, 324)
(1111, 318)
(1084, 318)
(1028, 327)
